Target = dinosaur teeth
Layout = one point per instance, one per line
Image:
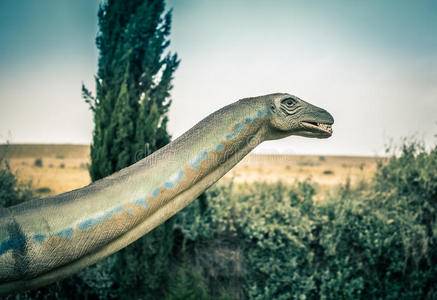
(320, 126)
(323, 126)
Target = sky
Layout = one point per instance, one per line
(371, 64)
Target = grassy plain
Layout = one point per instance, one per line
(54, 169)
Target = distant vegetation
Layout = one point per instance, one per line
(271, 241)
(38, 163)
(43, 190)
(59, 151)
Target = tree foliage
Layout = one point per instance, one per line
(132, 84)
(130, 117)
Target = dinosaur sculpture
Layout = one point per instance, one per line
(44, 240)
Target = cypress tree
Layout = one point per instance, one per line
(130, 118)
(132, 84)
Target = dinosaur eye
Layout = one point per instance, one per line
(289, 101)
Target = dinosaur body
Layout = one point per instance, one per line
(44, 240)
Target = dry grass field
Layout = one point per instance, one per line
(53, 169)
(62, 167)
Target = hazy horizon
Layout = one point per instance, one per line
(372, 65)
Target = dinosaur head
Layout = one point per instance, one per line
(293, 116)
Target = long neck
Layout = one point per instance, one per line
(44, 240)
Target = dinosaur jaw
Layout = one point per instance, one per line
(321, 129)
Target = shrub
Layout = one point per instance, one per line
(375, 241)
(187, 284)
(11, 191)
(38, 163)
(43, 190)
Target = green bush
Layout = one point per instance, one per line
(43, 190)
(187, 284)
(38, 163)
(11, 191)
(375, 241)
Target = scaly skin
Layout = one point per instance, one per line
(45, 240)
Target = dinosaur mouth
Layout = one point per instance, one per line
(318, 127)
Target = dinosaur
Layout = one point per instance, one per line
(44, 240)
